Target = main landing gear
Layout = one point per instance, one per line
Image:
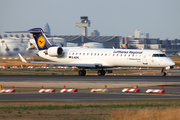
(101, 72)
(162, 71)
(83, 72)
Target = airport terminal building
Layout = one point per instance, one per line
(108, 41)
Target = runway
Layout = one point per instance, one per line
(113, 95)
(172, 89)
(75, 78)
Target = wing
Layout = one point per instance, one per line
(62, 64)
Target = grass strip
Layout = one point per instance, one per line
(58, 107)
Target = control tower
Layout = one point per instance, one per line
(84, 24)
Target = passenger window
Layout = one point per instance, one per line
(105, 54)
(113, 54)
(117, 54)
(87, 53)
(79, 53)
(69, 53)
(98, 54)
(124, 54)
(83, 53)
(94, 54)
(102, 54)
(73, 54)
(76, 53)
(129, 55)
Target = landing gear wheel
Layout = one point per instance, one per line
(82, 72)
(101, 72)
(164, 73)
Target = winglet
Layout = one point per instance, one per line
(22, 59)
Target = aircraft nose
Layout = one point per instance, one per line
(171, 63)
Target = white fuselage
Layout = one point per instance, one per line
(111, 57)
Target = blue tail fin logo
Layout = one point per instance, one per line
(40, 38)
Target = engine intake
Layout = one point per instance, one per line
(55, 51)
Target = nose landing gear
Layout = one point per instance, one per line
(162, 71)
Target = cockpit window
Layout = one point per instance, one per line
(155, 55)
(162, 55)
(158, 55)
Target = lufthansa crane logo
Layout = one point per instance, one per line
(41, 42)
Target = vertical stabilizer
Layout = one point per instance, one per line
(40, 38)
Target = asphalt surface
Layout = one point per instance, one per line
(75, 78)
(171, 92)
(112, 95)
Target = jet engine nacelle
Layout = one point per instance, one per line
(55, 51)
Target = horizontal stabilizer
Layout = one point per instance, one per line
(22, 59)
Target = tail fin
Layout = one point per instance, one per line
(124, 46)
(39, 36)
(31, 47)
(7, 48)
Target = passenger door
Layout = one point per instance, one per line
(144, 60)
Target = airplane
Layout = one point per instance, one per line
(31, 47)
(124, 46)
(7, 48)
(91, 58)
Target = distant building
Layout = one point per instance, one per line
(139, 43)
(138, 34)
(131, 36)
(85, 22)
(107, 41)
(47, 30)
(95, 33)
(16, 36)
(144, 35)
(93, 45)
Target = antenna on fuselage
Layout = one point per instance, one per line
(113, 47)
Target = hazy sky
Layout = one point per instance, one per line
(159, 18)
